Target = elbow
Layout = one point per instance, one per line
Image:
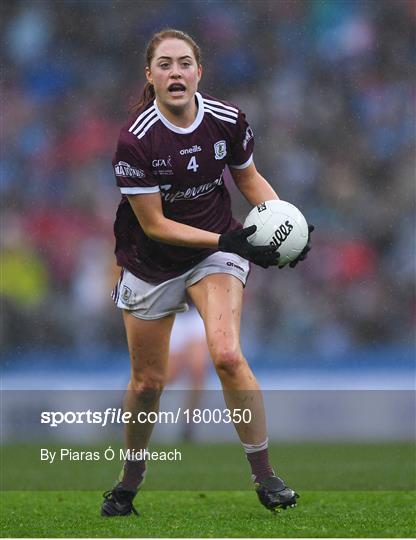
(154, 231)
(154, 235)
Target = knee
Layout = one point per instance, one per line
(228, 360)
(147, 389)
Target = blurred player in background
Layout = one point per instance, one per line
(189, 357)
(175, 235)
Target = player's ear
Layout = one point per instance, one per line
(199, 72)
(148, 75)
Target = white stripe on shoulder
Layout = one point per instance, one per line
(141, 126)
(140, 117)
(222, 111)
(243, 165)
(139, 190)
(148, 126)
(225, 118)
(212, 102)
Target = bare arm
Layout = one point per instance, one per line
(252, 185)
(149, 212)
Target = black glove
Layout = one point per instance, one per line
(306, 249)
(236, 242)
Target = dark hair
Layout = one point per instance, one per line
(148, 93)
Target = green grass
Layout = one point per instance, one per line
(347, 490)
(308, 466)
(210, 514)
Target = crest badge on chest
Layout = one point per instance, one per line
(220, 149)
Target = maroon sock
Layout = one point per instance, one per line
(260, 466)
(133, 473)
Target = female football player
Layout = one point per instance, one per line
(175, 234)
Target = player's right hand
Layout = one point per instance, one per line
(236, 242)
(305, 250)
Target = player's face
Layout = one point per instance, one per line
(174, 73)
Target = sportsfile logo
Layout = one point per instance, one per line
(125, 170)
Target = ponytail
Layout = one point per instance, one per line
(148, 95)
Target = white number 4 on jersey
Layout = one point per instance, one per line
(192, 165)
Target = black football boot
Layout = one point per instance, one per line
(274, 494)
(118, 502)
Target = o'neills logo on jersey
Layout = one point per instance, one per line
(192, 150)
(190, 193)
(126, 170)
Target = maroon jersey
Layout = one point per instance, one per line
(186, 166)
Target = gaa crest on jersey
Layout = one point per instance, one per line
(125, 170)
(220, 149)
(163, 166)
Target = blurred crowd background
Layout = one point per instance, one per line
(328, 87)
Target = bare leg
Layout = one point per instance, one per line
(218, 298)
(148, 343)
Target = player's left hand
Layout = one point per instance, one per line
(305, 250)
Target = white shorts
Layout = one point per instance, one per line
(149, 301)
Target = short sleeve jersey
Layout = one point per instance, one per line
(186, 166)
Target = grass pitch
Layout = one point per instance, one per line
(347, 490)
(210, 514)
